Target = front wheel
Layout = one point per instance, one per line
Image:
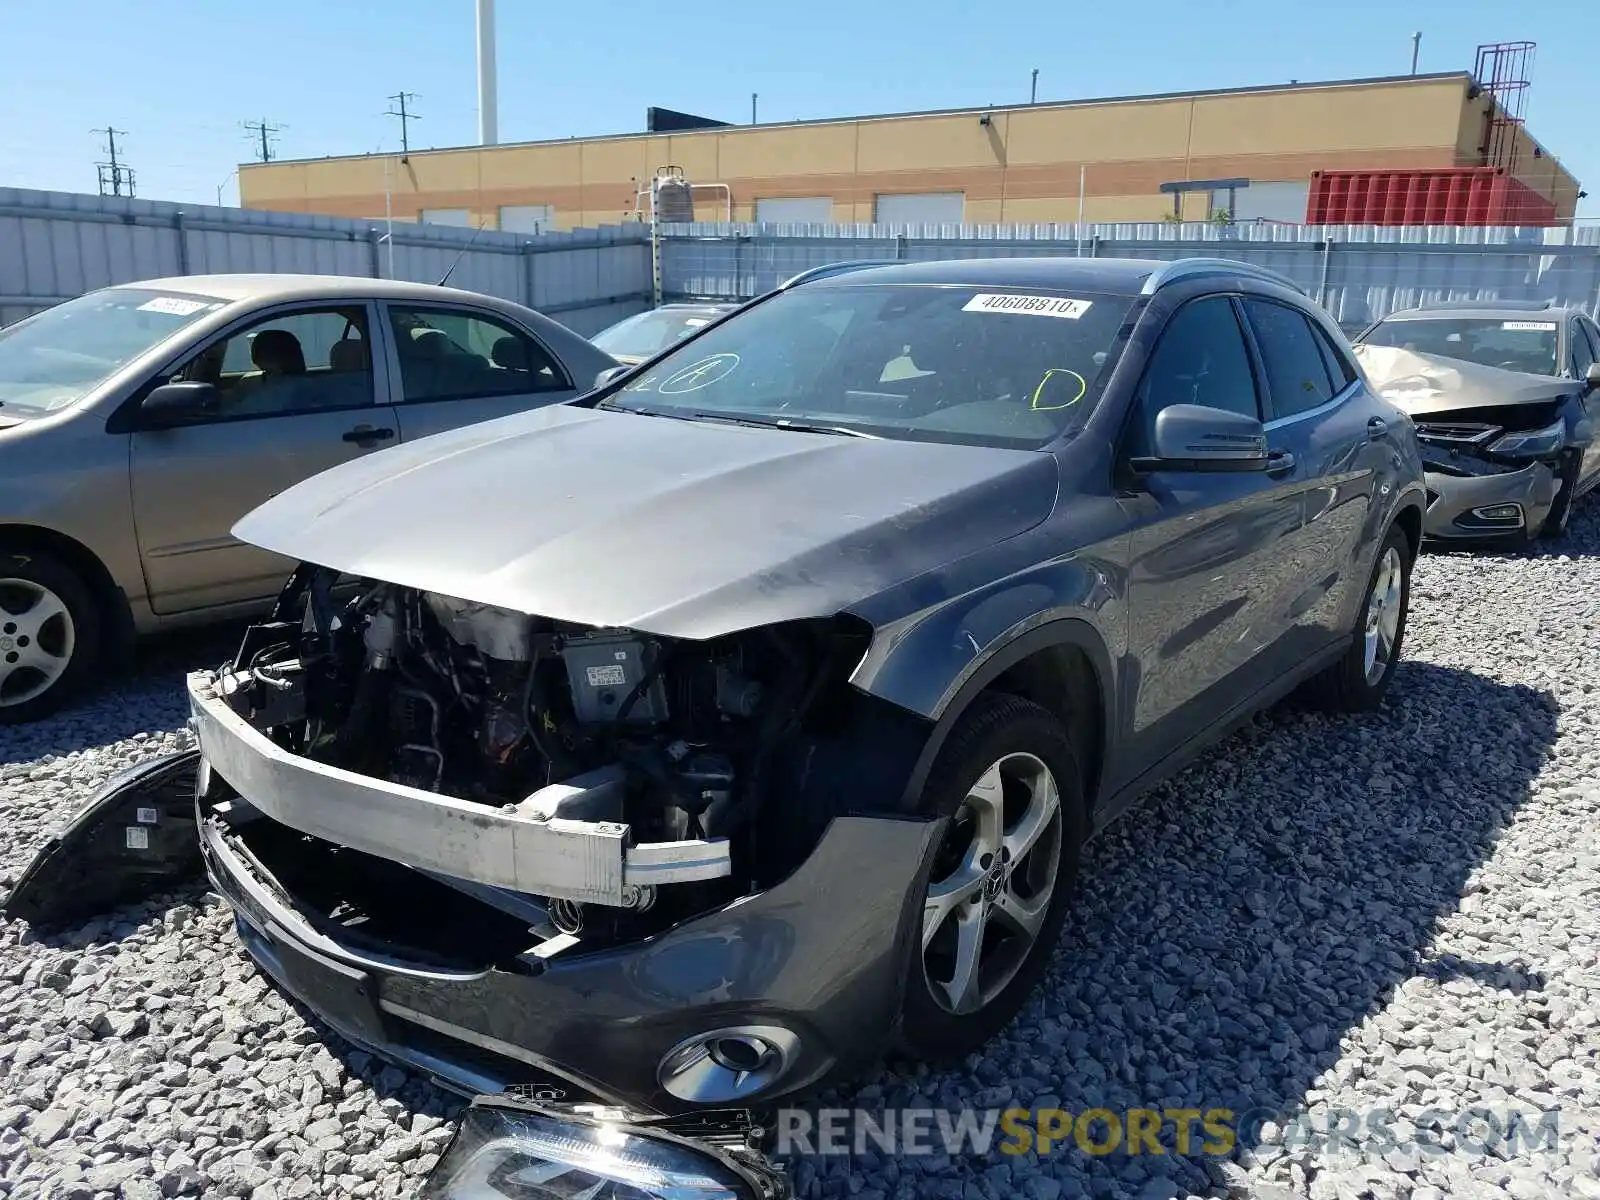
(1555, 521)
(996, 891)
(1358, 681)
(49, 635)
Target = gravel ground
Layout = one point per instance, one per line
(1361, 931)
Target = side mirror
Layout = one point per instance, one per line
(610, 374)
(1194, 437)
(1591, 379)
(174, 404)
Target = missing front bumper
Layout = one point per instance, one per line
(589, 862)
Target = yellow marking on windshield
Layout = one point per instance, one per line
(1044, 385)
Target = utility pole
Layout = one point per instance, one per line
(264, 131)
(1033, 92)
(753, 108)
(114, 175)
(1416, 49)
(488, 88)
(406, 117)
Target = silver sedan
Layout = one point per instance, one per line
(139, 422)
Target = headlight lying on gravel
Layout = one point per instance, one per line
(1533, 444)
(505, 1150)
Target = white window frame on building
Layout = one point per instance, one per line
(527, 218)
(919, 208)
(794, 210)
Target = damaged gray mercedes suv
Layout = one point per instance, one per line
(693, 742)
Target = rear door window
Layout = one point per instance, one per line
(449, 354)
(1295, 362)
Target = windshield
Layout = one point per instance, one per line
(57, 357)
(1511, 344)
(648, 333)
(945, 364)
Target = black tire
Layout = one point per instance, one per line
(49, 573)
(1345, 686)
(1555, 521)
(995, 727)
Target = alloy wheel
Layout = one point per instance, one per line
(37, 637)
(1383, 615)
(992, 883)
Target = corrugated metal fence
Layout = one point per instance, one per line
(1358, 273)
(56, 245)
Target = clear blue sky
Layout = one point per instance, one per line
(180, 75)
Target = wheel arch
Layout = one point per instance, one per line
(1064, 667)
(116, 614)
(1409, 518)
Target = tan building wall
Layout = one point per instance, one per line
(1023, 164)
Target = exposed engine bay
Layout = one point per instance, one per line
(643, 779)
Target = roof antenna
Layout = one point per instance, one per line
(462, 253)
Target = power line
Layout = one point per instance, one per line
(114, 176)
(406, 117)
(265, 132)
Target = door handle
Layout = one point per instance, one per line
(1376, 426)
(1280, 462)
(366, 435)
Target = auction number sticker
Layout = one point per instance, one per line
(1529, 326)
(1029, 306)
(173, 306)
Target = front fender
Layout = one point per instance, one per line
(934, 662)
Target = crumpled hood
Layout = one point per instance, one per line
(1430, 383)
(680, 528)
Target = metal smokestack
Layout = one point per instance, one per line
(488, 103)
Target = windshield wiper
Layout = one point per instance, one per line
(784, 423)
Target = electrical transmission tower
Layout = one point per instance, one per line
(264, 132)
(116, 177)
(401, 99)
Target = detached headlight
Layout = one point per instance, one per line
(508, 1151)
(1537, 444)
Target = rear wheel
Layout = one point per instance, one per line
(49, 635)
(1358, 681)
(996, 890)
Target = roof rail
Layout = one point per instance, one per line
(839, 268)
(1192, 268)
